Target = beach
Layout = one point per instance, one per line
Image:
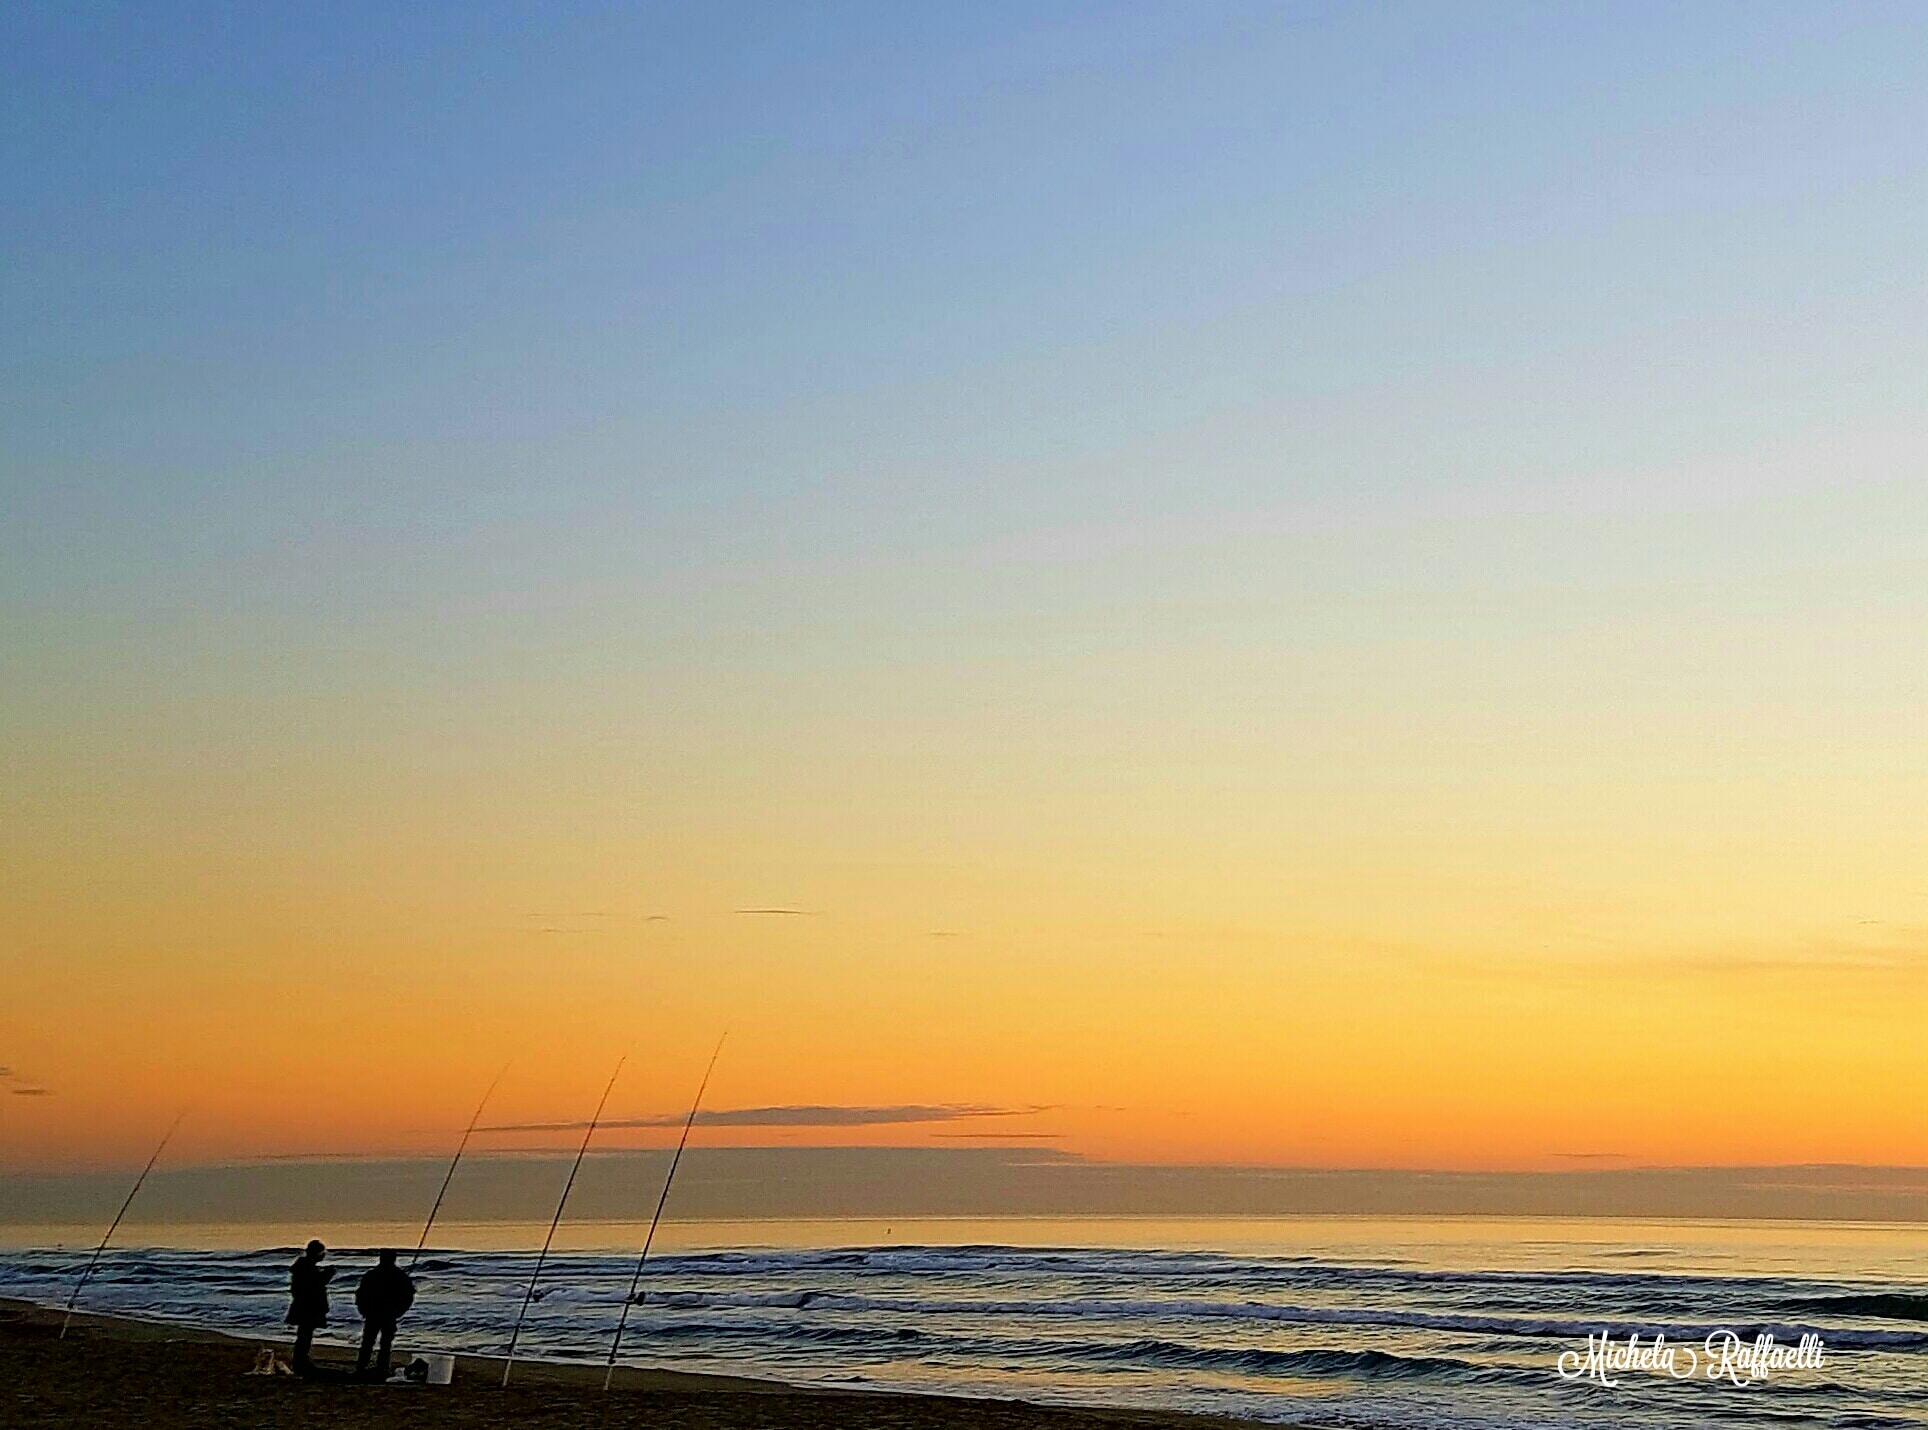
(113, 1370)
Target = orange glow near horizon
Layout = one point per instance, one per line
(300, 1023)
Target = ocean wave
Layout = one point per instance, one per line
(1143, 1352)
(1127, 1310)
(1310, 1362)
(1890, 1305)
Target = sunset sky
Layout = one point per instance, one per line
(1298, 585)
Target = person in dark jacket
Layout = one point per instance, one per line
(383, 1298)
(308, 1302)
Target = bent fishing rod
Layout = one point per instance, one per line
(114, 1225)
(636, 1280)
(508, 1362)
(455, 1162)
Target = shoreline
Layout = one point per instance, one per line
(168, 1376)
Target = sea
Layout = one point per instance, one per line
(1316, 1321)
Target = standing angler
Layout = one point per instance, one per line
(308, 1302)
(383, 1298)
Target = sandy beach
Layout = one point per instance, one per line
(114, 1371)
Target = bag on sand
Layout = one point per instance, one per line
(266, 1363)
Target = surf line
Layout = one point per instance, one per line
(616, 1342)
(508, 1363)
(114, 1225)
(449, 1176)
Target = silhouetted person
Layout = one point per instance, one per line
(308, 1302)
(383, 1298)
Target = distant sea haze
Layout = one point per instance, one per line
(779, 1183)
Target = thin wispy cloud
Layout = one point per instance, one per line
(779, 913)
(588, 920)
(800, 1115)
(22, 1088)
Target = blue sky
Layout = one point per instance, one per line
(441, 314)
(398, 267)
(420, 322)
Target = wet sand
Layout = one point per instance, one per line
(110, 1371)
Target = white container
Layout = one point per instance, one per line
(441, 1369)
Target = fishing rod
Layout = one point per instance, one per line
(455, 1162)
(529, 1295)
(115, 1224)
(634, 1281)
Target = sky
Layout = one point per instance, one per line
(1295, 586)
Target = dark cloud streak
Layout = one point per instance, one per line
(22, 1088)
(804, 1115)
